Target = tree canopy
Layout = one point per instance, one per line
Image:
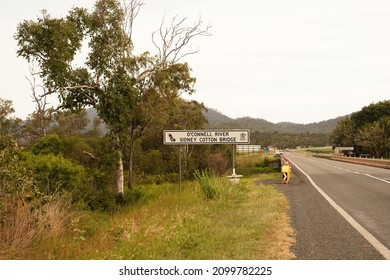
(367, 130)
(126, 89)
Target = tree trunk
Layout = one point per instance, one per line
(131, 153)
(119, 178)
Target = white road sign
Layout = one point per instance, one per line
(196, 137)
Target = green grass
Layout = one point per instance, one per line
(245, 221)
(249, 223)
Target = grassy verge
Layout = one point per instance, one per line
(244, 221)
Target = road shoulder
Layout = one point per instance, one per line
(321, 232)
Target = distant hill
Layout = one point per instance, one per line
(218, 120)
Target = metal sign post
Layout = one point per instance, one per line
(234, 169)
(180, 168)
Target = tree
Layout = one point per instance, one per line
(70, 123)
(39, 121)
(8, 125)
(367, 130)
(48, 144)
(124, 88)
(5, 110)
(344, 133)
(375, 137)
(371, 113)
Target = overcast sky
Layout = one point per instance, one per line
(301, 61)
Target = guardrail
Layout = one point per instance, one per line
(327, 156)
(382, 163)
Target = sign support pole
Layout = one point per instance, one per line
(234, 169)
(180, 168)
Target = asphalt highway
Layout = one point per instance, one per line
(339, 210)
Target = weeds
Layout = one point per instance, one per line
(210, 187)
(25, 226)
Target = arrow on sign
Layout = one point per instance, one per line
(285, 176)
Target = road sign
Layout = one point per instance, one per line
(286, 172)
(204, 137)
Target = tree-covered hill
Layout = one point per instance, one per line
(218, 120)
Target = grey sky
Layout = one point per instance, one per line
(300, 61)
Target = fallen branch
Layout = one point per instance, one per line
(90, 155)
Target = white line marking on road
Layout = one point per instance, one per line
(386, 180)
(368, 236)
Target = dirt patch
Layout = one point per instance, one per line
(294, 181)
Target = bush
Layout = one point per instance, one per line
(151, 162)
(264, 166)
(54, 173)
(48, 144)
(26, 215)
(218, 163)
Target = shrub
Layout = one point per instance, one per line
(151, 162)
(218, 163)
(25, 213)
(254, 167)
(48, 144)
(54, 173)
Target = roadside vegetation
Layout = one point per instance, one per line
(209, 219)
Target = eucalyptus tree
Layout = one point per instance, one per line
(66, 123)
(367, 130)
(9, 125)
(375, 137)
(344, 133)
(5, 110)
(126, 89)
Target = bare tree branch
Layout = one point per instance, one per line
(90, 155)
(131, 9)
(171, 41)
(175, 37)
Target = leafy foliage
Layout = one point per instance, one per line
(368, 130)
(49, 144)
(14, 176)
(54, 173)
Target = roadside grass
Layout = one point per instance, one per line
(250, 222)
(246, 221)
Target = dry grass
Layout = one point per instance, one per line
(25, 225)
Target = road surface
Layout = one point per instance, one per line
(339, 210)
